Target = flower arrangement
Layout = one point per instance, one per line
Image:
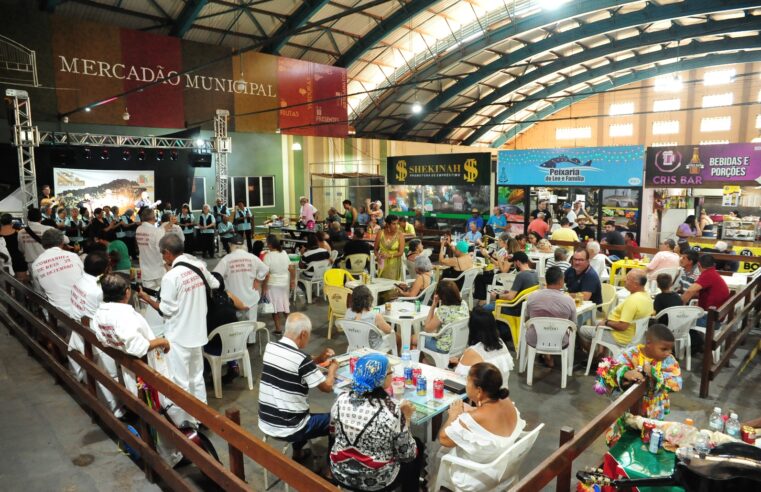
(607, 376)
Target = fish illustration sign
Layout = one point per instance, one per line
(586, 166)
(448, 169)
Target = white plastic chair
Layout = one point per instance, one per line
(286, 450)
(318, 269)
(355, 264)
(504, 279)
(261, 328)
(681, 320)
(233, 337)
(424, 297)
(469, 277)
(604, 338)
(549, 340)
(507, 465)
(459, 330)
(652, 285)
(609, 298)
(333, 256)
(358, 335)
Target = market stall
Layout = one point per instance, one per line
(720, 180)
(445, 187)
(606, 180)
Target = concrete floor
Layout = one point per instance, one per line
(44, 432)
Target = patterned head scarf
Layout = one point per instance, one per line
(462, 246)
(370, 373)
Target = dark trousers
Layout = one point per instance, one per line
(131, 246)
(317, 426)
(190, 242)
(248, 235)
(207, 244)
(226, 243)
(482, 282)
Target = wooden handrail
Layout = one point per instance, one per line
(24, 323)
(561, 461)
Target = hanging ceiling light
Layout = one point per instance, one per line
(417, 108)
(125, 115)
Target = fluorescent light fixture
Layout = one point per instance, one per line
(718, 124)
(296, 146)
(665, 127)
(718, 100)
(714, 142)
(664, 144)
(667, 104)
(668, 83)
(573, 133)
(621, 108)
(719, 77)
(621, 130)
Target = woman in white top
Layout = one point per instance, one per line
(282, 275)
(361, 310)
(481, 433)
(484, 345)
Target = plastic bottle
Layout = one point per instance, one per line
(528, 248)
(716, 421)
(702, 443)
(733, 426)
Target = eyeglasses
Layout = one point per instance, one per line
(579, 259)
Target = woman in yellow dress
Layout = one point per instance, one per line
(389, 249)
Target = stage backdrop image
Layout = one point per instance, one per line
(96, 188)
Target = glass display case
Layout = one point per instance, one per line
(739, 230)
(622, 206)
(443, 206)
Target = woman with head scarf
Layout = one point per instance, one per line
(373, 447)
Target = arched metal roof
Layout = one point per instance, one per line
(479, 68)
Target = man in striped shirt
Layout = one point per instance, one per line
(288, 374)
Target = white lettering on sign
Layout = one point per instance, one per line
(100, 68)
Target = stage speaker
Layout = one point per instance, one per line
(200, 160)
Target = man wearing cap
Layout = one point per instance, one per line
(476, 217)
(243, 273)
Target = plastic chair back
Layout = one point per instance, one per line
(550, 333)
(640, 329)
(318, 270)
(357, 333)
(338, 298)
(337, 277)
(515, 456)
(681, 319)
(460, 333)
(333, 255)
(356, 263)
(652, 286)
(608, 298)
(233, 337)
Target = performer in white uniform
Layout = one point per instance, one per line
(118, 325)
(29, 245)
(55, 271)
(183, 306)
(243, 274)
(151, 262)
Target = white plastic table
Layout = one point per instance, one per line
(541, 261)
(376, 286)
(403, 315)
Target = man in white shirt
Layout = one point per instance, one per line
(86, 296)
(56, 271)
(151, 260)
(597, 260)
(243, 274)
(30, 237)
(184, 306)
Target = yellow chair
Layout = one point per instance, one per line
(501, 308)
(338, 299)
(337, 277)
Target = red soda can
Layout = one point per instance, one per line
(748, 434)
(438, 388)
(415, 373)
(647, 429)
(353, 364)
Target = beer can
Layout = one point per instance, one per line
(422, 385)
(408, 376)
(438, 388)
(748, 434)
(647, 428)
(656, 439)
(417, 306)
(416, 373)
(353, 363)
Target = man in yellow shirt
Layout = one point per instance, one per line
(565, 233)
(620, 325)
(406, 227)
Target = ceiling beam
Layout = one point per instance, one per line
(693, 49)
(50, 5)
(187, 17)
(649, 14)
(296, 20)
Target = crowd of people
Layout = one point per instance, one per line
(171, 322)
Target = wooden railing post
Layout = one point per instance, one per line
(236, 456)
(708, 347)
(563, 483)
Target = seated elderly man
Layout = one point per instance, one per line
(621, 321)
(597, 260)
(288, 373)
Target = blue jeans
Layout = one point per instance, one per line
(430, 344)
(316, 426)
(489, 307)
